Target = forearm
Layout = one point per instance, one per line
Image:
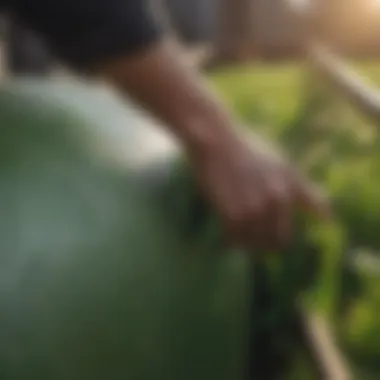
(162, 82)
(122, 41)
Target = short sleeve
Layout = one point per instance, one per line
(87, 32)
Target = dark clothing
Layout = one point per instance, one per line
(25, 52)
(86, 32)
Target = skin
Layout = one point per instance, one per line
(254, 194)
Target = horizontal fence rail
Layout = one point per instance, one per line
(333, 68)
(347, 82)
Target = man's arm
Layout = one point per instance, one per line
(254, 194)
(120, 40)
(159, 79)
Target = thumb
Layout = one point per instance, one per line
(312, 199)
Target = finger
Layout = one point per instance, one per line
(307, 196)
(234, 223)
(240, 222)
(312, 199)
(257, 231)
(282, 211)
(276, 221)
(235, 235)
(283, 222)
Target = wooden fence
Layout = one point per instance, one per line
(346, 83)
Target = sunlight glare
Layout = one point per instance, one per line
(375, 4)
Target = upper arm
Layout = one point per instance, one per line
(86, 32)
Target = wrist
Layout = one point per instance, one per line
(207, 137)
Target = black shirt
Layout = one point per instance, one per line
(86, 32)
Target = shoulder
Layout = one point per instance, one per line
(84, 31)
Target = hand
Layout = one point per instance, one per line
(254, 192)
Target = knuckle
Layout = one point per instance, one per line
(257, 207)
(279, 192)
(235, 215)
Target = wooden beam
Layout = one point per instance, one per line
(347, 81)
(322, 347)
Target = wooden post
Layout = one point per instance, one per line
(234, 36)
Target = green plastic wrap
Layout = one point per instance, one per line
(110, 264)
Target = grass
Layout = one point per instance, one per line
(370, 69)
(260, 93)
(272, 94)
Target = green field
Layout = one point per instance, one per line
(271, 94)
(261, 93)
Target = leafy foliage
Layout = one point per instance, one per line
(340, 149)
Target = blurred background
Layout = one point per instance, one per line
(305, 74)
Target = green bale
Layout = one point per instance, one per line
(110, 263)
